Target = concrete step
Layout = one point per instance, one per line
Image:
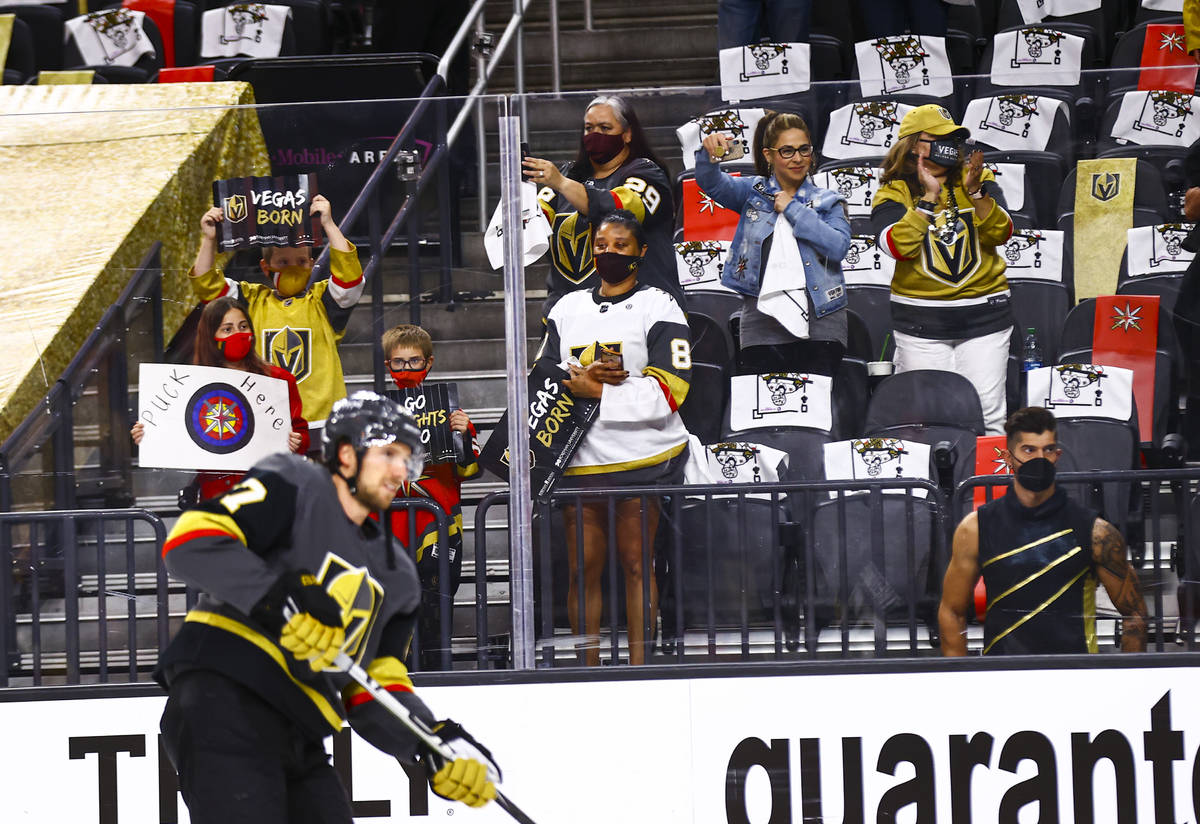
(607, 13)
(469, 320)
(449, 355)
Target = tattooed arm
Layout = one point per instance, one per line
(957, 587)
(1121, 582)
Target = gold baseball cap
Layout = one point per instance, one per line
(934, 120)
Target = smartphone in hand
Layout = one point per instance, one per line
(611, 356)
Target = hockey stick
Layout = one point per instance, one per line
(415, 725)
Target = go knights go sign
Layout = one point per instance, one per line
(266, 211)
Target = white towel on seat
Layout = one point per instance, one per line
(116, 37)
(250, 29)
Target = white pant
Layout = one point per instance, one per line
(983, 361)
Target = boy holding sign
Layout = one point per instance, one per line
(408, 351)
(298, 327)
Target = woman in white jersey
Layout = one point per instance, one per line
(626, 344)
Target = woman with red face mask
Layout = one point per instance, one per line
(225, 338)
(615, 169)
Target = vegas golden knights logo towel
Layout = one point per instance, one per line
(1103, 215)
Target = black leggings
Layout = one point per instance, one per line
(241, 761)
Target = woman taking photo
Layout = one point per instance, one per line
(942, 220)
(783, 158)
(615, 169)
(225, 338)
(626, 344)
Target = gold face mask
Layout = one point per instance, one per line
(290, 280)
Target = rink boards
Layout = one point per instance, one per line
(852, 743)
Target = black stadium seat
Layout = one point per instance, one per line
(46, 27)
(1127, 55)
(140, 72)
(929, 406)
(19, 63)
(1149, 198)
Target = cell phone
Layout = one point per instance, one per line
(612, 356)
(524, 151)
(735, 151)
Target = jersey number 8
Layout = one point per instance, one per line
(681, 353)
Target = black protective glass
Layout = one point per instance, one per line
(787, 152)
(402, 364)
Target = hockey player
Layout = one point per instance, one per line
(615, 169)
(293, 572)
(408, 351)
(298, 327)
(627, 344)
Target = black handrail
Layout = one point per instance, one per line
(51, 421)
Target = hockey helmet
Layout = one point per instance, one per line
(366, 419)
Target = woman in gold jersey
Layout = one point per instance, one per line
(942, 219)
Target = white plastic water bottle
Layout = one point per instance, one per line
(1031, 357)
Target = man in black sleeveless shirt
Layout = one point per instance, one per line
(1040, 555)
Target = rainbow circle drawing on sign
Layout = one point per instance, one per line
(219, 418)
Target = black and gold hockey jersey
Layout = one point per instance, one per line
(1040, 578)
(300, 333)
(285, 515)
(949, 279)
(639, 186)
(638, 424)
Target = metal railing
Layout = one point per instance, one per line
(1162, 535)
(56, 619)
(745, 572)
(781, 571)
(67, 555)
(101, 362)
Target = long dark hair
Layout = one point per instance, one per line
(207, 353)
(581, 167)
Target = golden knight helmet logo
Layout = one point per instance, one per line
(235, 208)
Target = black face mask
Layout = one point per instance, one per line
(1036, 474)
(614, 268)
(945, 152)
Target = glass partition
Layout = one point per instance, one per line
(836, 539)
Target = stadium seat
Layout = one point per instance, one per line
(1076, 347)
(733, 563)
(1149, 198)
(903, 68)
(1160, 120)
(19, 63)
(717, 305)
(1142, 14)
(1031, 52)
(140, 72)
(1127, 56)
(873, 305)
(886, 548)
(1102, 21)
(1092, 442)
(288, 42)
(1013, 122)
(865, 128)
(1154, 263)
(312, 25)
(930, 406)
(708, 390)
(1041, 305)
(711, 341)
(46, 28)
(1043, 174)
(181, 44)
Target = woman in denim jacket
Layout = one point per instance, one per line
(783, 157)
